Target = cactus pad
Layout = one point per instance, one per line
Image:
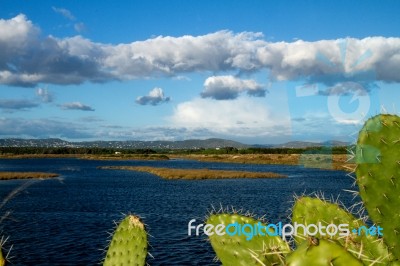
(128, 245)
(321, 252)
(240, 250)
(378, 175)
(309, 210)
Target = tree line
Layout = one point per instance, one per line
(224, 150)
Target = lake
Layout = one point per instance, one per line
(66, 221)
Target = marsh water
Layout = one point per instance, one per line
(66, 221)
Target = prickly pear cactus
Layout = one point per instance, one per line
(378, 175)
(128, 245)
(240, 249)
(321, 252)
(2, 260)
(309, 210)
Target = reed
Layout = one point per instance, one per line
(25, 175)
(171, 173)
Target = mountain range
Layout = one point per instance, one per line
(185, 144)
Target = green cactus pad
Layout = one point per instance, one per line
(321, 252)
(240, 249)
(378, 175)
(128, 245)
(309, 210)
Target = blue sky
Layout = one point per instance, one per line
(265, 72)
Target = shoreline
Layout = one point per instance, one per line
(26, 175)
(321, 161)
(195, 174)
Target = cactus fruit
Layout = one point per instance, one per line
(309, 210)
(128, 245)
(378, 175)
(321, 252)
(240, 249)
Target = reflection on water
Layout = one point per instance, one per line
(65, 221)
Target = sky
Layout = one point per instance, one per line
(258, 72)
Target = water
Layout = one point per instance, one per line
(65, 221)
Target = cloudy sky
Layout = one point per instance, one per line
(265, 72)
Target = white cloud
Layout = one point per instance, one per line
(240, 117)
(229, 87)
(155, 97)
(44, 95)
(27, 58)
(76, 106)
(64, 12)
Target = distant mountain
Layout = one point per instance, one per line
(185, 144)
(305, 144)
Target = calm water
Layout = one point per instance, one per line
(65, 222)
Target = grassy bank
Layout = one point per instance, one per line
(169, 173)
(25, 175)
(323, 161)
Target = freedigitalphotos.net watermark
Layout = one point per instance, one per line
(280, 229)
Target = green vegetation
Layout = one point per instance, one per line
(171, 173)
(378, 174)
(111, 151)
(309, 210)
(128, 245)
(238, 250)
(315, 157)
(321, 252)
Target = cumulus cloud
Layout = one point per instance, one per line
(229, 87)
(240, 117)
(76, 106)
(11, 104)
(28, 58)
(155, 97)
(44, 95)
(64, 12)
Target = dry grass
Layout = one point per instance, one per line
(169, 173)
(323, 161)
(25, 175)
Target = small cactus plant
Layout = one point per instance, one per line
(128, 245)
